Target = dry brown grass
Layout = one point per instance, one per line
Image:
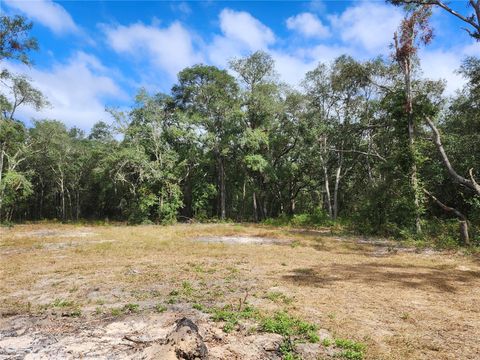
(403, 305)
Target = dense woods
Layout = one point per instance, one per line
(369, 144)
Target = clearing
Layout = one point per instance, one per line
(255, 292)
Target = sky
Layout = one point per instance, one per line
(98, 54)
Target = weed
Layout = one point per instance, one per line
(277, 296)
(187, 288)
(131, 308)
(286, 325)
(327, 342)
(116, 311)
(74, 313)
(160, 308)
(405, 316)
(352, 350)
(331, 316)
(61, 303)
(287, 349)
(232, 317)
(199, 307)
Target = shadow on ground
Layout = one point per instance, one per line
(409, 276)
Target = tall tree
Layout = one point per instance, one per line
(414, 30)
(210, 96)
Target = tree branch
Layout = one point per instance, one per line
(472, 184)
(445, 207)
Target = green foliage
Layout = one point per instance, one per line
(131, 308)
(277, 296)
(160, 308)
(61, 303)
(286, 325)
(318, 217)
(15, 42)
(334, 152)
(231, 317)
(287, 349)
(352, 350)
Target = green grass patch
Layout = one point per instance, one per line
(286, 325)
(131, 308)
(232, 317)
(160, 308)
(352, 350)
(278, 297)
(62, 303)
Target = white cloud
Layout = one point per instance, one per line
(169, 49)
(241, 35)
(439, 64)
(292, 69)
(77, 91)
(243, 28)
(368, 25)
(443, 64)
(47, 13)
(308, 25)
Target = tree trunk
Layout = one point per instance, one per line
(62, 198)
(2, 154)
(328, 199)
(221, 181)
(411, 139)
(77, 212)
(471, 183)
(335, 192)
(462, 219)
(255, 212)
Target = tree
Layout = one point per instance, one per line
(15, 44)
(210, 96)
(262, 104)
(414, 30)
(472, 19)
(15, 41)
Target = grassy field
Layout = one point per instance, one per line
(389, 302)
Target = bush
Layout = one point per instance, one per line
(317, 218)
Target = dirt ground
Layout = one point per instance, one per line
(86, 291)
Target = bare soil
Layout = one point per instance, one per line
(81, 292)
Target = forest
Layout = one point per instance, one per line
(369, 145)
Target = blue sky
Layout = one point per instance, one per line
(99, 53)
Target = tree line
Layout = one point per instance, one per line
(370, 143)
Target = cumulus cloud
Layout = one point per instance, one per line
(47, 13)
(77, 90)
(169, 48)
(241, 34)
(308, 25)
(242, 27)
(368, 25)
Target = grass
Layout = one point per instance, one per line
(284, 324)
(352, 350)
(279, 297)
(231, 317)
(160, 308)
(65, 267)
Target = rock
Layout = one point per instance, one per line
(187, 341)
